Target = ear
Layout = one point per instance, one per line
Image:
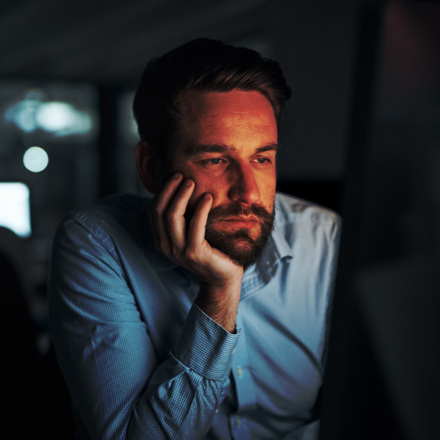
(147, 165)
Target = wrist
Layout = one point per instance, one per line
(221, 279)
(220, 302)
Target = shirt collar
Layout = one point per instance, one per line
(276, 250)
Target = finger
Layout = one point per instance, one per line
(157, 209)
(163, 198)
(197, 226)
(175, 214)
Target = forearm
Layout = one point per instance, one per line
(177, 408)
(185, 391)
(118, 386)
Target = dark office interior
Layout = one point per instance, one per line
(360, 135)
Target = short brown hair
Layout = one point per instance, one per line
(201, 64)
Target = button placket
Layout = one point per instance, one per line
(245, 388)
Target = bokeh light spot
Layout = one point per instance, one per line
(35, 159)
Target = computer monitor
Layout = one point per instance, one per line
(15, 208)
(381, 379)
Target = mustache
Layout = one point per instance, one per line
(237, 209)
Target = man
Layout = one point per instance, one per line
(201, 313)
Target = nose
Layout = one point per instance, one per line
(244, 187)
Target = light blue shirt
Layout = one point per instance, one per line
(141, 361)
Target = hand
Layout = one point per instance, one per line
(186, 245)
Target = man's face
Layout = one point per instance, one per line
(227, 143)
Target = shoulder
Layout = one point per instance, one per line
(113, 210)
(290, 208)
(107, 218)
(293, 214)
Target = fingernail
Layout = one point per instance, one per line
(188, 182)
(177, 176)
(208, 196)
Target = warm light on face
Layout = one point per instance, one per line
(226, 143)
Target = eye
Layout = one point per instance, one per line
(212, 161)
(263, 160)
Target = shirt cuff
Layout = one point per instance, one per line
(205, 346)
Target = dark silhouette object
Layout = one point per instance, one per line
(35, 399)
(20, 355)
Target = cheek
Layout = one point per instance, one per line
(217, 187)
(270, 202)
(267, 192)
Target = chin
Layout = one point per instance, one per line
(238, 246)
(242, 245)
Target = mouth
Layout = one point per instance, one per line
(240, 221)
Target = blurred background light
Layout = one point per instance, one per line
(62, 119)
(35, 159)
(22, 114)
(58, 118)
(15, 208)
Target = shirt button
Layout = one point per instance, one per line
(239, 372)
(234, 350)
(237, 421)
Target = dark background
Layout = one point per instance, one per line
(360, 135)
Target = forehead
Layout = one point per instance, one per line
(231, 115)
(235, 100)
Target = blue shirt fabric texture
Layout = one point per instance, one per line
(141, 361)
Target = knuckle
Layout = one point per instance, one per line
(191, 255)
(171, 217)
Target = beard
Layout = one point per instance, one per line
(239, 246)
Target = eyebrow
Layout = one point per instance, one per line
(195, 150)
(270, 147)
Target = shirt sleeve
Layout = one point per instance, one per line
(117, 385)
